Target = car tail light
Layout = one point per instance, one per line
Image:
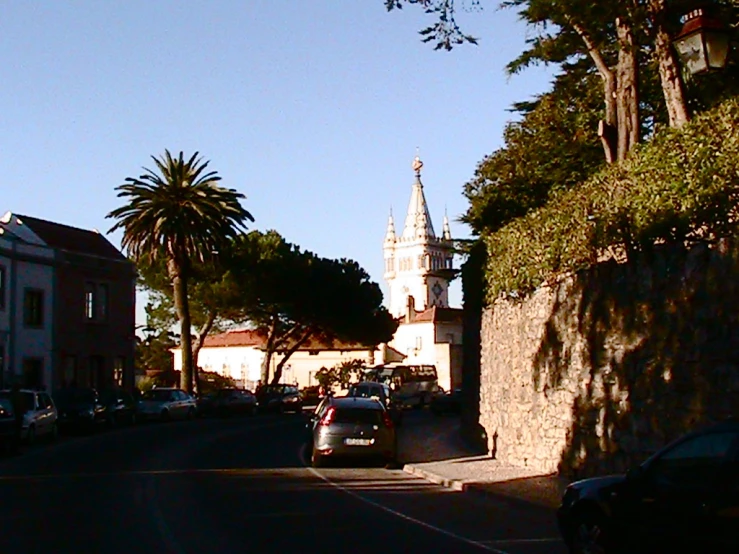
(387, 420)
(328, 417)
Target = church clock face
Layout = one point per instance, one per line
(437, 289)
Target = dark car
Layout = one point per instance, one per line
(120, 406)
(79, 409)
(446, 402)
(228, 402)
(279, 398)
(685, 498)
(351, 427)
(382, 392)
(9, 436)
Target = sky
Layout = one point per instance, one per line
(313, 109)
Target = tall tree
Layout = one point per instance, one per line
(293, 297)
(178, 214)
(213, 299)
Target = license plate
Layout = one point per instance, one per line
(358, 442)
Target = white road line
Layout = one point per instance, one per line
(522, 541)
(401, 515)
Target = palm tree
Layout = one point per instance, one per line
(178, 214)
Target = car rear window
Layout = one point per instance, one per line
(358, 415)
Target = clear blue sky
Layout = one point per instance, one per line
(312, 108)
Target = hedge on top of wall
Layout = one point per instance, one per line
(681, 186)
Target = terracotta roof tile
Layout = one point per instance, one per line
(439, 315)
(249, 337)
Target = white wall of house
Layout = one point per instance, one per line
(26, 342)
(243, 363)
(416, 341)
(5, 337)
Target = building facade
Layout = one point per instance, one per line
(239, 354)
(70, 306)
(418, 268)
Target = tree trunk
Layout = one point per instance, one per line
(179, 285)
(268, 351)
(669, 71)
(608, 127)
(197, 346)
(289, 352)
(627, 90)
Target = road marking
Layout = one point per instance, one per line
(401, 515)
(522, 541)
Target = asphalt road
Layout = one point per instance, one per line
(240, 485)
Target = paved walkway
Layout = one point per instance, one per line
(432, 448)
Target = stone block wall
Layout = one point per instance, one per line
(596, 372)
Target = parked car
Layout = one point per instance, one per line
(164, 404)
(228, 402)
(39, 414)
(382, 392)
(79, 409)
(8, 433)
(353, 427)
(445, 402)
(685, 498)
(279, 398)
(120, 406)
(311, 395)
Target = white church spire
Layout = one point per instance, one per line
(390, 233)
(418, 220)
(446, 232)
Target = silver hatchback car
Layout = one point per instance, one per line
(352, 427)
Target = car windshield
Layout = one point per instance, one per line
(6, 406)
(26, 399)
(358, 415)
(157, 395)
(364, 391)
(273, 389)
(73, 396)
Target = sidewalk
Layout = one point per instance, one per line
(431, 447)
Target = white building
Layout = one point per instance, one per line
(26, 304)
(239, 355)
(418, 268)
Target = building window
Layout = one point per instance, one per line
(3, 286)
(119, 365)
(33, 308)
(96, 302)
(419, 343)
(33, 373)
(90, 300)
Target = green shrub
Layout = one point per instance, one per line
(682, 186)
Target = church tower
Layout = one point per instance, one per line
(418, 264)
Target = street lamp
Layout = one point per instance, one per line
(703, 42)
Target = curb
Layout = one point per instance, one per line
(475, 489)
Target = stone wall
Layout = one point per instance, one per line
(595, 373)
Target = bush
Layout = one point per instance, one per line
(682, 186)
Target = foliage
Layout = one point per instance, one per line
(445, 32)
(154, 352)
(177, 215)
(210, 381)
(683, 186)
(553, 147)
(342, 374)
(289, 295)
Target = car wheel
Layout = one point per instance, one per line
(112, 421)
(54, 432)
(253, 411)
(190, 414)
(316, 459)
(589, 536)
(31, 435)
(133, 419)
(165, 415)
